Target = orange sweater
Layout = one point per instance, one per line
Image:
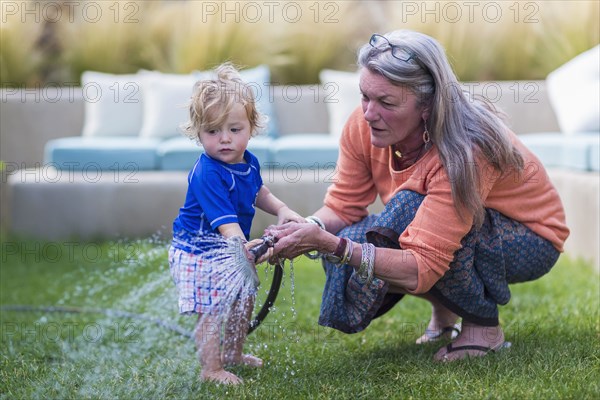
(365, 171)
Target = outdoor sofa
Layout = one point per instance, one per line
(83, 163)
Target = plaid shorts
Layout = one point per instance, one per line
(198, 293)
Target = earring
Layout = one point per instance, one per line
(426, 137)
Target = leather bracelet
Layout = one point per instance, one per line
(340, 255)
(340, 250)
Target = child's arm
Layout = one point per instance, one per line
(230, 230)
(233, 229)
(266, 201)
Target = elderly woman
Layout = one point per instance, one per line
(468, 209)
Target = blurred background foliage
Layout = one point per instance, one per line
(53, 42)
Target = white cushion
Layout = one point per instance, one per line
(113, 104)
(574, 92)
(166, 99)
(342, 96)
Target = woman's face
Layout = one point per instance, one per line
(391, 111)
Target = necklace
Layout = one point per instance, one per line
(403, 161)
(400, 155)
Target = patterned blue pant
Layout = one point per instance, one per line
(501, 252)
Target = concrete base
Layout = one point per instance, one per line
(580, 194)
(53, 205)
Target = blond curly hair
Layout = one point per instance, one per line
(213, 99)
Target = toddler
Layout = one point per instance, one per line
(224, 186)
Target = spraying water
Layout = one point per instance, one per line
(131, 278)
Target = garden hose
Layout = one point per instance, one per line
(273, 291)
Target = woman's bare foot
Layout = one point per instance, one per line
(442, 324)
(220, 376)
(473, 341)
(245, 359)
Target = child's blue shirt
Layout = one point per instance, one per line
(218, 193)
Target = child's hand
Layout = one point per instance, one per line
(285, 214)
(253, 243)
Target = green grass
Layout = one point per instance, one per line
(552, 323)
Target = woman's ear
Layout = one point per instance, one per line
(425, 114)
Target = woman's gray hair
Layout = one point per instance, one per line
(462, 129)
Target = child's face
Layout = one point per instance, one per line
(228, 142)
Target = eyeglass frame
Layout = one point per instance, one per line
(393, 48)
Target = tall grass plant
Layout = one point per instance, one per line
(489, 40)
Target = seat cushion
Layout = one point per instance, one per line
(180, 153)
(305, 151)
(113, 104)
(578, 151)
(574, 92)
(102, 153)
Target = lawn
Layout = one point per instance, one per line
(99, 351)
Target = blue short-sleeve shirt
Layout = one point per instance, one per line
(218, 193)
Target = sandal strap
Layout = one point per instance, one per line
(452, 328)
(452, 349)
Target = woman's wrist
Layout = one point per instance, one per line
(342, 254)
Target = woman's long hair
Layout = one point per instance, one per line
(462, 128)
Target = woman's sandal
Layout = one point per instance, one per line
(433, 335)
(485, 350)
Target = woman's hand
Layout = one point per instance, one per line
(294, 239)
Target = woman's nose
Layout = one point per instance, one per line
(370, 112)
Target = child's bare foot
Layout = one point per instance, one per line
(252, 361)
(220, 376)
(245, 359)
